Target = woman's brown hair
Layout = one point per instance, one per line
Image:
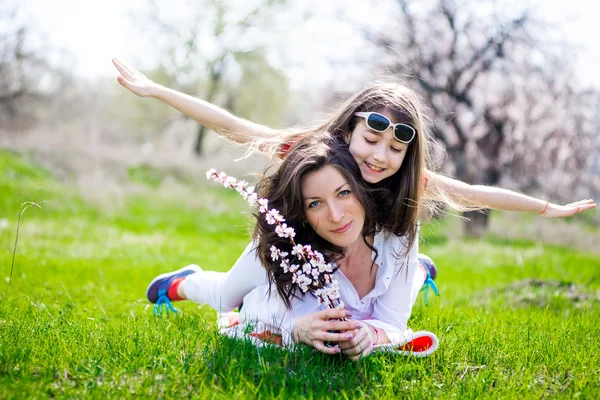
(283, 190)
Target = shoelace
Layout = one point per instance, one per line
(163, 299)
(429, 283)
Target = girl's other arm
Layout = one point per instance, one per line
(502, 199)
(223, 122)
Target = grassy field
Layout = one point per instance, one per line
(516, 319)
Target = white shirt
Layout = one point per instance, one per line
(388, 306)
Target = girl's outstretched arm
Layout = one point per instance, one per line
(502, 199)
(221, 121)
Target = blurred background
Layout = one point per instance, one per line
(512, 86)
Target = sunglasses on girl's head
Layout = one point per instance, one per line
(380, 123)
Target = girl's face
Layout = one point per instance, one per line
(331, 208)
(378, 154)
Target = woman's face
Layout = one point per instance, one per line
(331, 208)
(378, 154)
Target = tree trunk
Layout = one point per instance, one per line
(215, 76)
(199, 139)
(477, 223)
(477, 226)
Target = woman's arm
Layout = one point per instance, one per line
(224, 291)
(502, 199)
(205, 113)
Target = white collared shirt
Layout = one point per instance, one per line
(387, 306)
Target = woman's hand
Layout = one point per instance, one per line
(314, 329)
(133, 80)
(361, 345)
(558, 211)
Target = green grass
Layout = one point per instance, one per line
(74, 321)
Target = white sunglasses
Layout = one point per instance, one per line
(380, 123)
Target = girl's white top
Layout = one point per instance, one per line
(388, 306)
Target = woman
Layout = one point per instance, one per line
(320, 192)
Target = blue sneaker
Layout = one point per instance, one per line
(429, 266)
(158, 288)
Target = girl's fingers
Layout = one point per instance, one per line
(362, 351)
(360, 356)
(582, 208)
(120, 67)
(335, 337)
(126, 84)
(334, 314)
(586, 207)
(355, 346)
(342, 325)
(117, 65)
(357, 351)
(324, 349)
(126, 69)
(586, 203)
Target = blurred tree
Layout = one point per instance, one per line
(215, 49)
(262, 93)
(22, 68)
(500, 89)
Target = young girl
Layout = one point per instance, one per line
(320, 192)
(385, 125)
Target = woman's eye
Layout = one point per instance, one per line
(343, 193)
(395, 150)
(313, 204)
(370, 141)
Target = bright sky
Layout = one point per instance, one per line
(94, 31)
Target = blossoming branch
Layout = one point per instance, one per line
(309, 268)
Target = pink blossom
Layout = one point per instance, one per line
(298, 250)
(264, 205)
(275, 214)
(274, 253)
(241, 187)
(252, 198)
(221, 176)
(284, 231)
(211, 173)
(229, 182)
(306, 268)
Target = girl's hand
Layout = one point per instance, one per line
(314, 329)
(558, 211)
(362, 343)
(133, 80)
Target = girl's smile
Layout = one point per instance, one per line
(378, 154)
